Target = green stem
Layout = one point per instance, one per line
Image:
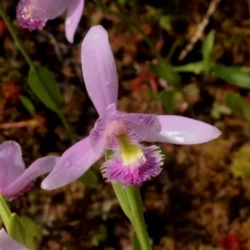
(135, 242)
(137, 212)
(67, 127)
(5, 212)
(28, 59)
(15, 36)
(131, 204)
(172, 50)
(123, 200)
(120, 193)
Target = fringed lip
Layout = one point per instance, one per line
(114, 169)
(25, 17)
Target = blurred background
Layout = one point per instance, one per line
(189, 58)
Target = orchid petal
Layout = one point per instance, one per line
(72, 164)
(99, 70)
(7, 243)
(141, 125)
(12, 164)
(97, 134)
(149, 122)
(74, 14)
(40, 167)
(48, 9)
(183, 131)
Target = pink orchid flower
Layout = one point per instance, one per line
(132, 163)
(14, 178)
(7, 243)
(33, 14)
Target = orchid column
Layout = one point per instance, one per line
(120, 135)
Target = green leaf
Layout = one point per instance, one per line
(196, 67)
(16, 229)
(99, 236)
(168, 100)
(165, 21)
(122, 2)
(90, 179)
(44, 86)
(5, 212)
(24, 230)
(208, 45)
(207, 49)
(234, 75)
(32, 229)
(135, 242)
(240, 166)
(242, 69)
(165, 71)
(27, 104)
(154, 95)
(238, 105)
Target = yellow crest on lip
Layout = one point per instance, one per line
(27, 10)
(131, 154)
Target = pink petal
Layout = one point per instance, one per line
(39, 167)
(141, 124)
(7, 243)
(182, 130)
(48, 9)
(73, 164)
(74, 14)
(11, 163)
(99, 70)
(97, 134)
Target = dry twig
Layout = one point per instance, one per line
(200, 29)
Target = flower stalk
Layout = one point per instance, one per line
(136, 205)
(131, 204)
(123, 200)
(15, 37)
